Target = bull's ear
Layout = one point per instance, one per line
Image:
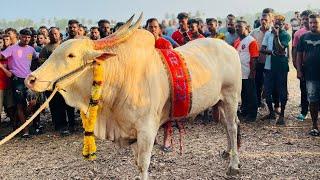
(100, 55)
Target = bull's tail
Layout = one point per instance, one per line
(238, 135)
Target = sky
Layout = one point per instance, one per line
(120, 10)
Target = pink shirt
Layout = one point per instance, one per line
(19, 59)
(297, 36)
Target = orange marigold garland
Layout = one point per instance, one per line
(89, 119)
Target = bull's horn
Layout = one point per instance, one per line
(135, 26)
(124, 27)
(119, 37)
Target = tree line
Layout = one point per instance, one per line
(62, 22)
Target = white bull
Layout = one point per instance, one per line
(136, 91)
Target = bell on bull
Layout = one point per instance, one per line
(136, 95)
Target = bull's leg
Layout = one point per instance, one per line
(231, 123)
(145, 143)
(134, 148)
(225, 153)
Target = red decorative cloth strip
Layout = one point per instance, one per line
(180, 83)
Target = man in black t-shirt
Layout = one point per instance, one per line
(308, 59)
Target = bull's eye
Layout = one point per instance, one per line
(71, 56)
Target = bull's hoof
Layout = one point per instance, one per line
(225, 155)
(233, 171)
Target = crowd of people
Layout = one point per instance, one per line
(263, 52)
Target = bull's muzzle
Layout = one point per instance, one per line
(30, 81)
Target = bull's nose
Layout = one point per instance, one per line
(29, 81)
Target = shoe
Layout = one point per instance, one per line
(314, 132)
(249, 119)
(242, 115)
(269, 116)
(38, 131)
(301, 117)
(64, 132)
(167, 149)
(72, 129)
(280, 121)
(26, 136)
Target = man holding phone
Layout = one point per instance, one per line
(275, 45)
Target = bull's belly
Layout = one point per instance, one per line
(204, 96)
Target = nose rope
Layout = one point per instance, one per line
(83, 67)
(58, 85)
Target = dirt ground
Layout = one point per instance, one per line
(267, 152)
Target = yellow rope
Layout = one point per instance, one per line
(89, 119)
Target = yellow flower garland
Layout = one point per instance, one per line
(89, 120)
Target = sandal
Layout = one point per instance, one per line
(26, 135)
(314, 132)
(301, 117)
(167, 149)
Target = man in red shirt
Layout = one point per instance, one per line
(194, 29)
(4, 81)
(154, 27)
(181, 35)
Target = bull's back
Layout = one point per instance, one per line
(213, 66)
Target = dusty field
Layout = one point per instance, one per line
(267, 152)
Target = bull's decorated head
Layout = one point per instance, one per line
(76, 53)
(73, 54)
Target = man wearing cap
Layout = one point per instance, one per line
(181, 35)
(19, 58)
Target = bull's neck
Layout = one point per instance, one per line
(114, 80)
(125, 76)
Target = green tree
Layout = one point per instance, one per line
(61, 23)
